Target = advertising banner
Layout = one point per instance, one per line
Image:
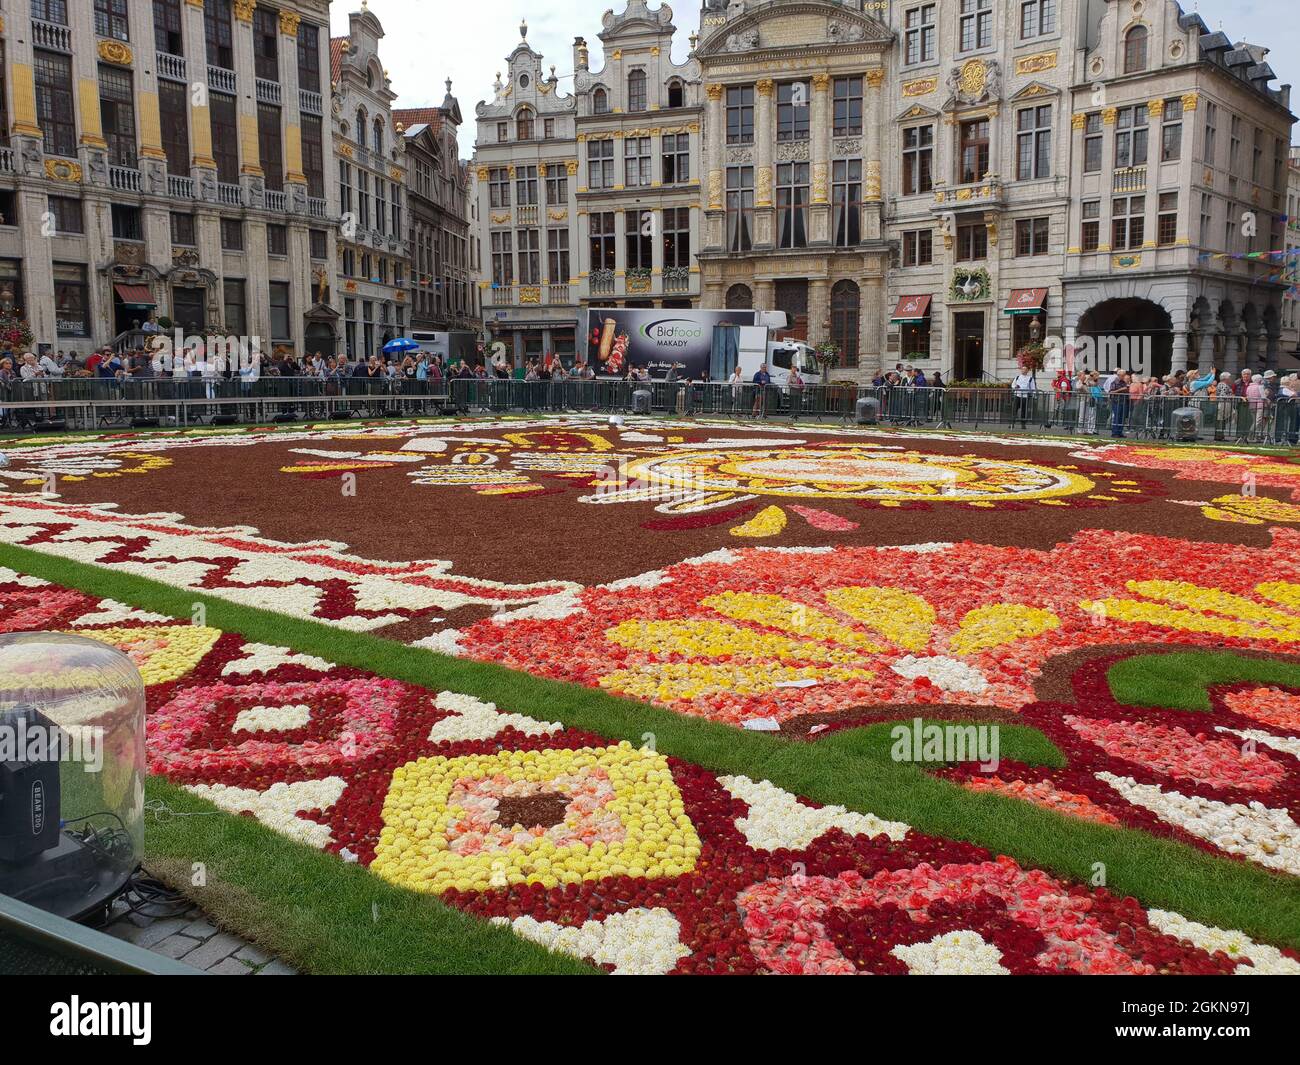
(656, 339)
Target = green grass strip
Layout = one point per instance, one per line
(851, 769)
(1179, 680)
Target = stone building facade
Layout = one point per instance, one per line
(1291, 298)
(639, 119)
(374, 258)
(166, 158)
(444, 268)
(797, 105)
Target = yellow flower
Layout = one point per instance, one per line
(1191, 608)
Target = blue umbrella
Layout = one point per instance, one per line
(400, 346)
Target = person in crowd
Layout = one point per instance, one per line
(1024, 386)
(761, 379)
(1117, 391)
(936, 380)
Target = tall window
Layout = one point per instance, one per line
(557, 187)
(381, 206)
(117, 114)
(219, 33)
(111, 19)
(524, 124)
(530, 257)
(976, 24)
(677, 158)
(918, 34)
(600, 101)
(740, 208)
(1135, 50)
(71, 300)
(499, 187)
(792, 111)
(1167, 219)
(526, 185)
(1034, 142)
(638, 233)
(740, 114)
(972, 242)
(1092, 143)
(1211, 132)
(51, 11)
(266, 43)
(277, 240)
(792, 205)
(309, 57)
(557, 256)
(269, 147)
(918, 247)
(182, 223)
(677, 237)
(600, 164)
(918, 160)
(637, 161)
(636, 91)
(4, 100)
(602, 240)
(281, 328)
(54, 107)
(313, 156)
(1031, 236)
(847, 97)
(1090, 235)
(377, 141)
(11, 284)
(174, 116)
(363, 200)
(1131, 136)
(846, 202)
(1128, 222)
(68, 215)
(236, 309)
(503, 259)
(127, 223)
(1037, 18)
(167, 36)
(232, 239)
(845, 315)
(676, 94)
(1171, 130)
(225, 136)
(974, 158)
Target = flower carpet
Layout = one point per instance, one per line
(620, 856)
(628, 691)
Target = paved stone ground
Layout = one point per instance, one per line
(194, 940)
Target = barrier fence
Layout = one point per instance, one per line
(87, 403)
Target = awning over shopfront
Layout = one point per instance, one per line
(135, 295)
(911, 309)
(1026, 301)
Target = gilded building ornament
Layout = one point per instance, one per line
(1036, 64)
(289, 23)
(875, 78)
(63, 170)
(116, 52)
(764, 86)
(920, 87)
(244, 10)
(1108, 116)
(1078, 121)
(714, 92)
(1190, 100)
(821, 82)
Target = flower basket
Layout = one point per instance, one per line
(1032, 357)
(15, 333)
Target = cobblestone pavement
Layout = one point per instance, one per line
(192, 939)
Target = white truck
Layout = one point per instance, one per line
(696, 343)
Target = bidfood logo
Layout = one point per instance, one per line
(672, 332)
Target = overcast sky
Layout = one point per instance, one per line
(428, 41)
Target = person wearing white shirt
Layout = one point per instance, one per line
(1023, 388)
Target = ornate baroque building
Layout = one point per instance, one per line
(166, 157)
(797, 109)
(444, 266)
(374, 256)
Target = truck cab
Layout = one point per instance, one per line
(785, 355)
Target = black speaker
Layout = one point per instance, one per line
(50, 425)
(144, 423)
(288, 416)
(223, 419)
(29, 784)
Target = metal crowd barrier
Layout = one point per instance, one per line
(89, 403)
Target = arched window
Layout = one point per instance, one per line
(676, 94)
(1135, 50)
(739, 298)
(524, 122)
(636, 95)
(845, 304)
(362, 126)
(600, 102)
(379, 136)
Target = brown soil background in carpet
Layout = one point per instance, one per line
(552, 536)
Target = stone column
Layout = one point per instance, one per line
(1107, 166)
(874, 121)
(819, 310)
(294, 178)
(821, 128)
(764, 294)
(250, 152)
(764, 134)
(873, 321)
(203, 165)
(1208, 333)
(1179, 357)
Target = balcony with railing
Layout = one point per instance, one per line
(677, 279)
(526, 214)
(277, 201)
(179, 187)
(172, 67)
(986, 193)
(639, 281)
(310, 102)
(558, 295)
(1129, 179)
(222, 80)
(6, 161)
(229, 195)
(500, 296)
(317, 207)
(601, 282)
(51, 36)
(268, 92)
(125, 179)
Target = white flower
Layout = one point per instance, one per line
(1263, 835)
(477, 720)
(948, 674)
(1266, 960)
(271, 718)
(639, 942)
(962, 953)
(1286, 744)
(778, 820)
(278, 807)
(262, 658)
